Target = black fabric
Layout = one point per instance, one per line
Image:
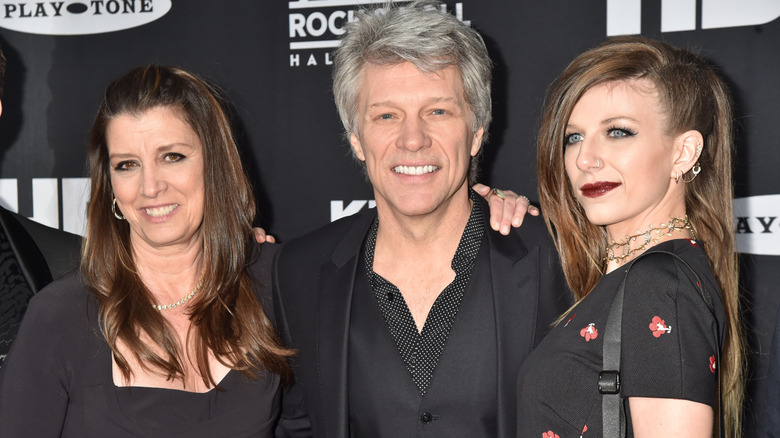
(29, 253)
(58, 380)
(15, 293)
(668, 347)
(44, 253)
(461, 398)
(421, 350)
(609, 378)
(314, 287)
(771, 415)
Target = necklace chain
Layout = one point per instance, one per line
(181, 301)
(674, 224)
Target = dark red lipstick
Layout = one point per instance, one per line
(596, 189)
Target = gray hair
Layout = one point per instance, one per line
(423, 34)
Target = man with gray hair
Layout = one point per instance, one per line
(412, 319)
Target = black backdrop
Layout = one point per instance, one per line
(273, 58)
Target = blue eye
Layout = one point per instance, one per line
(439, 112)
(570, 139)
(386, 116)
(616, 132)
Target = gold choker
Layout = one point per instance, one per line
(674, 224)
(181, 301)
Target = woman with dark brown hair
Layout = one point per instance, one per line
(635, 183)
(167, 330)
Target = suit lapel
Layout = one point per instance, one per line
(337, 281)
(515, 276)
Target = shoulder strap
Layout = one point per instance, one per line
(613, 415)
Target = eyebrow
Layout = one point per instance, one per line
(608, 121)
(161, 149)
(429, 101)
(612, 119)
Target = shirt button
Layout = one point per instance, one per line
(390, 296)
(426, 417)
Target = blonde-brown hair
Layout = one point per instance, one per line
(693, 98)
(227, 318)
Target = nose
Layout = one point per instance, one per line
(152, 182)
(413, 136)
(587, 156)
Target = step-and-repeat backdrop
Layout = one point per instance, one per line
(274, 59)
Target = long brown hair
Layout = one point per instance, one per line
(227, 318)
(693, 98)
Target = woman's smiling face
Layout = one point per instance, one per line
(157, 170)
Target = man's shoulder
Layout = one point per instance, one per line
(532, 233)
(331, 235)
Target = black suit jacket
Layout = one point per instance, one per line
(313, 284)
(42, 255)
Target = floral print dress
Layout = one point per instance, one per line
(669, 346)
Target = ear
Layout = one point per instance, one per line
(357, 147)
(688, 147)
(476, 142)
(1, 107)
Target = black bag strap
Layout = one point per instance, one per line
(613, 415)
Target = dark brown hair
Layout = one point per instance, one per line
(227, 318)
(693, 98)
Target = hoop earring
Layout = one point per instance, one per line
(113, 210)
(677, 178)
(695, 170)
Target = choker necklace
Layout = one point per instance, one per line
(181, 301)
(674, 224)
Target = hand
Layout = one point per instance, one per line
(507, 211)
(261, 237)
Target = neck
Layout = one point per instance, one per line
(428, 232)
(631, 246)
(169, 273)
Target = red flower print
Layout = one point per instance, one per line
(550, 434)
(712, 364)
(692, 242)
(589, 332)
(570, 318)
(659, 327)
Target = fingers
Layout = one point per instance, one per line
(507, 208)
(481, 189)
(510, 204)
(262, 237)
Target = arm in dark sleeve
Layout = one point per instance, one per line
(33, 381)
(293, 421)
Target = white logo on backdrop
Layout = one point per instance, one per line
(317, 25)
(758, 224)
(80, 17)
(624, 17)
(46, 194)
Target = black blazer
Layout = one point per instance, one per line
(313, 284)
(43, 254)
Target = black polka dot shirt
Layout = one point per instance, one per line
(421, 350)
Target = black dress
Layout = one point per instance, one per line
(58, 380)
(669, 347)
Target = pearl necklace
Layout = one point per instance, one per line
(181, 301)
(674, 224)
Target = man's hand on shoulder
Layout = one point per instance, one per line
(507, 208)
(262, 237)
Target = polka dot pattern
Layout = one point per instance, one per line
(421, 350)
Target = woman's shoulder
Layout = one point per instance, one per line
(673, 257)
(63, 301)
(676, 267)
